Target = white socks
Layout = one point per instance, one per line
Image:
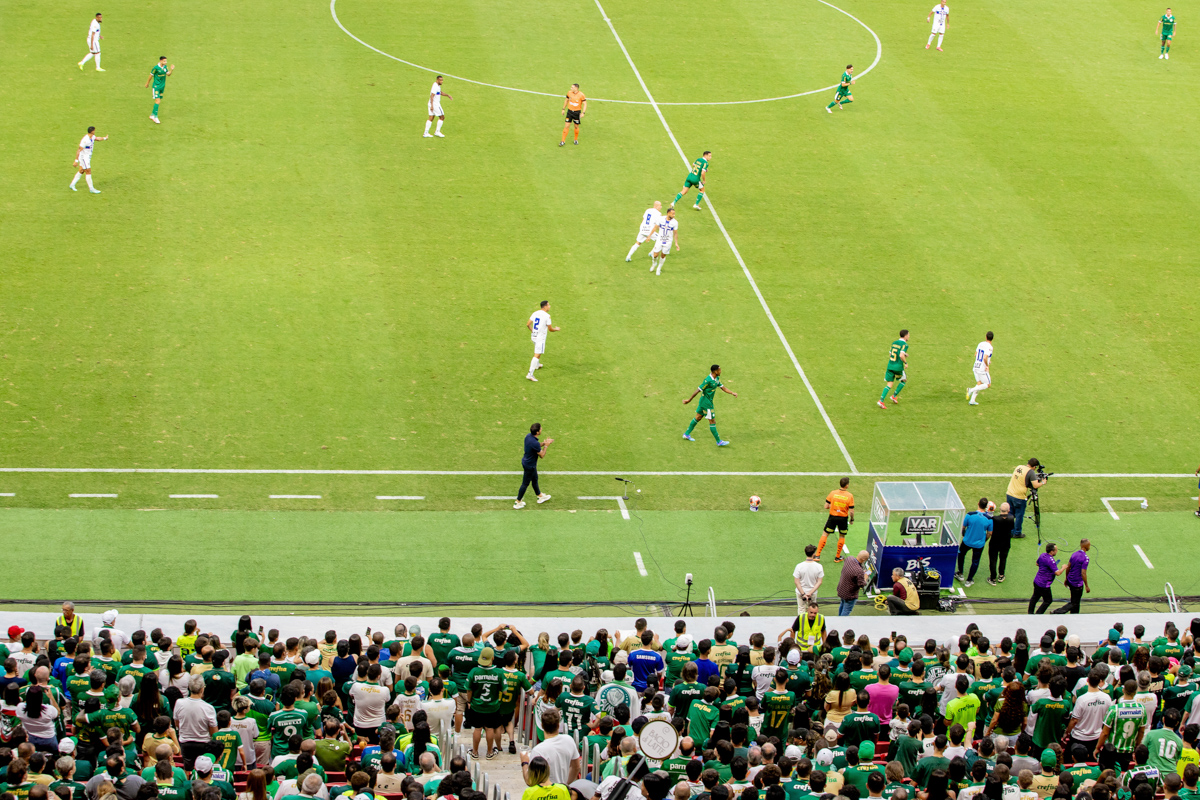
(632, 250)
(78, 175)
(930, 40)
(86, 59)
(97, 61)
(88, 176)
(940, 37)
(533, 365)
(428, 123)
(439, 126)
(653, 262)
(975, 390)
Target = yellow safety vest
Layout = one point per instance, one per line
(809, 635)
(76, 624)
(911, 600)
(1016, 486)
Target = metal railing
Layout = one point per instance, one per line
(1172, 600)
(712, 603)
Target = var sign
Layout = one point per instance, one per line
(925, 526)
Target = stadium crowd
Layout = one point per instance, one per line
(815, 714)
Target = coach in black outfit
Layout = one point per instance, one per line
(1001, 541)
(533, 451)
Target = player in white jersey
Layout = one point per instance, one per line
(435, 108)
(983, 369)
(83, 159)
(650, 218)
(665, 232)
(93, 41)
(938, 18)
(539, 328)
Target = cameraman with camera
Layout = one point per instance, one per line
(1025, 478)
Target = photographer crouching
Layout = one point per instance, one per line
(1028, 477)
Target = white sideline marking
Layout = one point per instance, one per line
(712, 209)
(643, 473)
(1108, 505)
(8, 494)
(399, 497)
(91, 495)
(878, 56)
(294, 496)
(641, 566)
(620, 503)
(495, 497)
(1143, 555)
(193, 496)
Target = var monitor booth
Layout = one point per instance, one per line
(915, 525)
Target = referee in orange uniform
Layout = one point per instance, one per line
(840, 504)
(574, 107)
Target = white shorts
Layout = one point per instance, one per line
(435, 110)
(982, 376)
(939, 27)
(658, 248)
(539, 346)
(643, 235)
(85, 161)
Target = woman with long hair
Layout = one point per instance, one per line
(839, 701)
(422, 741)
(1140, 659)
(37, 713)
(1020, 650)
(938, 788)
(540, 652)
(344, 663)
(1009, 717)
(256, 786)
(355, 645)
(173, 674)
(537, 779)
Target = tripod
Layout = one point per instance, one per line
(685, 610)
(1037, 512)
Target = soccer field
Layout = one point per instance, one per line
(284, 275)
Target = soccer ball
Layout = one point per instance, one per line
(755, 502)
(991, 506)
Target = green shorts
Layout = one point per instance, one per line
(1168, 37)
(157, 91)
(841, 94)
(706, 410)
(894, 374)
(691, 180)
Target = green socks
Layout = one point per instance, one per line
(713, 430)
(699, 197)
(883, 396)
(156, 109)
(678, 197)
(899, 386)
(847, 102)
(691, 427)
(831, 105)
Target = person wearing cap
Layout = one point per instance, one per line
(1176, 695)
(108, 621)
(14, 641)
(859, 767)
(70, 620)
(483, 703)
(583, 789)
(677, 653)
(1046, 781)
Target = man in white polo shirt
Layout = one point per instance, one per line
(808, 576)
(370, 704)
(196, 722)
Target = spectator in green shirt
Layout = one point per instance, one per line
(964, 708)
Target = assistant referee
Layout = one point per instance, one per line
(533, 451)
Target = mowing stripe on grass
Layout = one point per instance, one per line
(91, 495)
(1143, 555)
(745, 270)
(641, 566)
(193, 496)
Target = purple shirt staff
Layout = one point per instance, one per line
(1047, 570)
(1077, 568)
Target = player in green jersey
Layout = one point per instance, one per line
(843, 94)
(777, 705)
(707, 388)
(1167, 24)
(896, 374)
(695, 178)
(158, 76)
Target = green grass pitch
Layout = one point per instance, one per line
(285, 275)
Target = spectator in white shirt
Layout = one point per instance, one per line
(370, 704)
(402, 671)
(558, 750)
(196, 722)
(808, 576)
